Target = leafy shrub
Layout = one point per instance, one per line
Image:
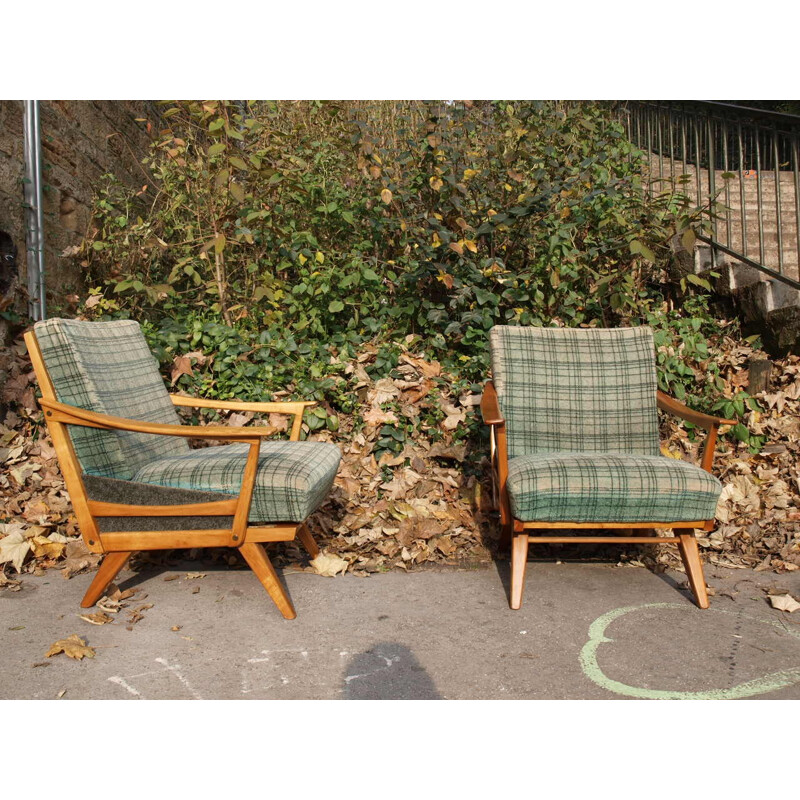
(276, 238)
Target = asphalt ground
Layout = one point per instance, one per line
(585, 631)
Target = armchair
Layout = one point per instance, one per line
(133, 481)
(574, 445)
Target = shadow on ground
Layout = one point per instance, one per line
(388, 671)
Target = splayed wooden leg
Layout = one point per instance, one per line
(690, 553)
(112, 564)
(255, 555)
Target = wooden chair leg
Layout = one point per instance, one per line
(307, 540)
(112, 564)
(690, 553)
(519, 558)
(255, 555)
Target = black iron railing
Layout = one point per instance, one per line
(743, 162)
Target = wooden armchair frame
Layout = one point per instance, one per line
(119, 545)
(514, 531)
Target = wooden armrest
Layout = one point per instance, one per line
(670, 404)
(490, 408)
(287, 407)
(72, 415)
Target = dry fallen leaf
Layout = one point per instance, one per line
(784, 602)
(99, 618)
(14, 548)
(73, 646)
(328, 565)
(190, 576)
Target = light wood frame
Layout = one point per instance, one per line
(119, 545)
(514, 531)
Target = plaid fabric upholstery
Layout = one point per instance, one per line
(578, 487)
(108, 368)
(575, 390)
(292, 481)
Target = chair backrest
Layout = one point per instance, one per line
(578, 390)
(107, 367)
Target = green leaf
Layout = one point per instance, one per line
(216, 149)
(237, 192)
(640, 248)
(335, 306)
(698, 281)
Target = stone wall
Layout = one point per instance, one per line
(80, 141)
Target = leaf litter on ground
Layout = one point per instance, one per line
(430, 503)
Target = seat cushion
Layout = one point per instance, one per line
(107, 367)
(293, 478)
(610, 487)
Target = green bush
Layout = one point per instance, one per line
(277, 238)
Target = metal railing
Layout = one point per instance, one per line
(742, 162)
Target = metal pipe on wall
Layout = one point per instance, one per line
(37, 306)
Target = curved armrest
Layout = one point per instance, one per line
(72, 415)
(490, 408)
(673, 406)
(287, 407)
(295, 407)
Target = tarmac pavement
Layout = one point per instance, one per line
(585, 630)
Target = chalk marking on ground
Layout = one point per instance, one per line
(125, 685)
(389, 662)
(591, 667)
(175, 669)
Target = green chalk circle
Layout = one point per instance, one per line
(597, 637)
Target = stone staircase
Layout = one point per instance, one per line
(769, 304)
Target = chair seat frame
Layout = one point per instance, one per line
(514, 532)
(118, 546)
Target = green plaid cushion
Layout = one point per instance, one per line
(292, 481)
(576, 390)
(108, 368)
(615, 487)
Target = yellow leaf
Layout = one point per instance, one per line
(491, 212)
(471, 246)
(43, 547)
(665, 451)
(375, 171)
(435, 182)
(73, 646)
(436, 241)
(302, 259)
(458, 247)
(219, 242)
(386, 196)
(470, 173)
(320, 258)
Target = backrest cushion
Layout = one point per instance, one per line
(576, 390)
(108, 368)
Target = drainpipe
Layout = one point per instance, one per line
(33, 211)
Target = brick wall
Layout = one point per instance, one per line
(80, 141)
